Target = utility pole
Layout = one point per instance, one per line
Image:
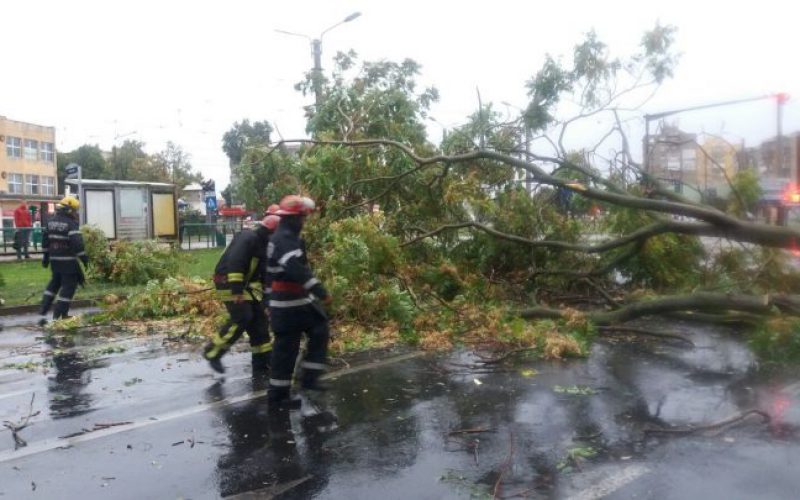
(316, 52)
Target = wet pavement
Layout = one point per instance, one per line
(144, 418)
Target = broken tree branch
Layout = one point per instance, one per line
(15, 428)
(683, 431)
(700, 301)
(641, 331)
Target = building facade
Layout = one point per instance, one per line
(672, 159)
(27, 168)
(718, 161)
(27, 158)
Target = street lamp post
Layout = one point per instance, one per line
(316, 51)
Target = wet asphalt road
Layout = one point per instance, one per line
(397, 428)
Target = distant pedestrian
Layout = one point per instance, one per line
(22, 221)
(62, 247)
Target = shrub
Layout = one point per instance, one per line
(128, 262)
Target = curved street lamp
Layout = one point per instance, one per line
(316, 50)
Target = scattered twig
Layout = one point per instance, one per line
(476, 430)
(15, 428)
(640, 331)
(341, 360)
(682, 431)
(506, 355)
(97, 427)
(271, 491)
(504, 468)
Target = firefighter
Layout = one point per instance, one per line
(62, 247)
(242, 264)
(294, 308)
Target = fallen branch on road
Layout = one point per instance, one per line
(641, 331)
(476, 430)
(683, 431)
(15, 428)
(97, 427)
(504, 468)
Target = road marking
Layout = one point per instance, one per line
(53, 443)
(612, 483)
(17, 393)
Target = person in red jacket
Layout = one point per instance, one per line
(22, 221)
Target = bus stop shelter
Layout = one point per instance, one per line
(128, 210)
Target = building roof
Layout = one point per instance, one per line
(104, 182)
(193, 187)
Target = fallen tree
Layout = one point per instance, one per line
(420, 235)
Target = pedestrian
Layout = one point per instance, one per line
(62, 247)
(293, 306)
(242, 264)
(22, 221)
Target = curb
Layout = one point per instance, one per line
(32, 308)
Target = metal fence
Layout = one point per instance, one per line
(191, 236)
(208, 235)
(9, 237)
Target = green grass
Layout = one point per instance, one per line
(25, 281)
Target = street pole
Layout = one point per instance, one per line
(316, 52)
(316, 48)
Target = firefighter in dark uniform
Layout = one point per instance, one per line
(294, 307)
(242, 264)
(62, 247)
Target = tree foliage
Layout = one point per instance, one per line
(444, 242)
(130, 162)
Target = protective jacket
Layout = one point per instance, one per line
(62, 244)
(243, 262)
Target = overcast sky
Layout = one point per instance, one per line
(184, 71)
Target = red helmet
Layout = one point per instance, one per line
(273, 209)
(295, 205)
(270, 222)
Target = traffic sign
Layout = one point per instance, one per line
(73, 171)
(211, 203)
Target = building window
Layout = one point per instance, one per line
(47, 152)
(48, 186)
(15, 183)
(13, 147)
(32, 184)
(31, 150)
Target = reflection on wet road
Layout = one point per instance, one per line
(414, 427)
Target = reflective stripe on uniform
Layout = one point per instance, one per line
(294, 253)
(273, 269)
(63, 258)
(80, 254)
(58, 237)
(48, 293)
(267, 290)
(235, 277)
(220, 343)
(289, 303)
(274, 382)
(72, 233)
(261, 349)
(310, 283)
(313, 366)
(62, 299)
